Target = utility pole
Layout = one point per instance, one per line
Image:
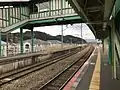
(71, 41)
(81, 35)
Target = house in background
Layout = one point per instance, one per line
(12, 49)
(3, 49)
(54, 42)
(39, 45)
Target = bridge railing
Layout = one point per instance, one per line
(51, 13)
(10, 15)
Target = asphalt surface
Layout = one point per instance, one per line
(86, 79)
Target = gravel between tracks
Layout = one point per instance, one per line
(39, 77)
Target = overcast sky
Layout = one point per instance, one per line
(74, 30)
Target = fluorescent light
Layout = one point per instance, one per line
(110, 17)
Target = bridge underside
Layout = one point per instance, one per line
(54, 21)
(36, 13)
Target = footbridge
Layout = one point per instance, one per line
(26, 14)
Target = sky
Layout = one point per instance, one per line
(74, 30)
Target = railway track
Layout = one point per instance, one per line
(8, 77)
(61, 79)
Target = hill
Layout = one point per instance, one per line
(15, 37)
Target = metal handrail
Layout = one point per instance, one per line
(51, 10)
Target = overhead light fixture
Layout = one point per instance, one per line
(110, 17)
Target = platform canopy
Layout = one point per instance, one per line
(96, 13)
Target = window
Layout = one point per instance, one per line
(27, 46)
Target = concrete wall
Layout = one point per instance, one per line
(21, 63)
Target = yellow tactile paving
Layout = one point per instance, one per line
(95, 81)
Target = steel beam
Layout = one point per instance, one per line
(109, 4)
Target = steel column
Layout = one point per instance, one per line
(7, 42)
(103, 45)
(32, 44)
(21, 40)
(110, 49)
(32, 40)
(62, 36)
(0, 45)
(61, 7)
(113, 51)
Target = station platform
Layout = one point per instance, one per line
(95, 74)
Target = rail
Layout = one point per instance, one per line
(62, 78)
(29, 55)
(12, 63)
(35, 67)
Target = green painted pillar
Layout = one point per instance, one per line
(103, 45)
(0, 45)
(110, 49)
(61, 7)
(61, 36)
(7, 43)
(32, 40)
(21, 40)
(114, 67)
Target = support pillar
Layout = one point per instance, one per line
(103, 46)
(114, 67)
(7, 42)
(62, 36)
(32, 44)
(21, 40)
(110, 49)
(0, 45)
(32, 40)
